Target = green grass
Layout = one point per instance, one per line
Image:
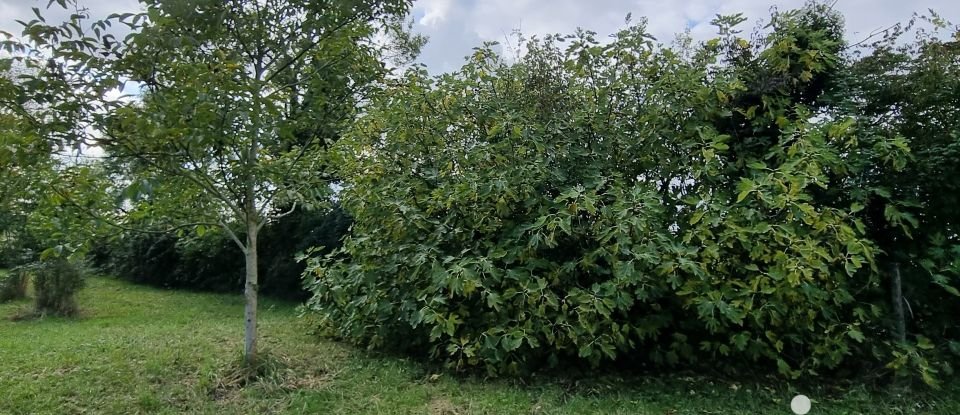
(143, 350)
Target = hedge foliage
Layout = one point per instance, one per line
(13, 285)
(702, 202)
(212, 262)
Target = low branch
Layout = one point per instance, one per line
(233, 236)
(182, 172)
(267, 219)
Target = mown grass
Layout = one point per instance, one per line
(143, 350)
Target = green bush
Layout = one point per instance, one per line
(13, 284)
(56, 283)
(626, 200)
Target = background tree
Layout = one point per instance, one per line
(45, 193)
(22, 153)
(905, 188)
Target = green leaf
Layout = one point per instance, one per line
(954, 347)
(924, 343)
(697, 216)
(585, 351)
(743, 195)
(495, 129)
(882, 192)
(511, 342)
(855, 334)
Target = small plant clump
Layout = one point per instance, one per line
(56, 282)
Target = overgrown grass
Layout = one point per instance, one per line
(142, 350)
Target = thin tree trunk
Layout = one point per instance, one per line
(250, 294)
(896, 292)
(252, 217)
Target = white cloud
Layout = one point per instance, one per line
(456, 26)
(435, 11)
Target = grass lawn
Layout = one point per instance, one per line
(144, 350)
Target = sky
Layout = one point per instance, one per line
(456, 26)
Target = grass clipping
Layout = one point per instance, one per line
(272, 372)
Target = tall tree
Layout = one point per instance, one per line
(237, 101)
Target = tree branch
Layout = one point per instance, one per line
(310, 46)
(89, 212)
(234, 237)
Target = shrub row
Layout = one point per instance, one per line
(213, 262)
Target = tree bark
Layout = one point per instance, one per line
(896, 293)
(252, 217)
(250, 294)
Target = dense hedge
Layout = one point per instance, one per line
(213, 262)
(594, 201)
